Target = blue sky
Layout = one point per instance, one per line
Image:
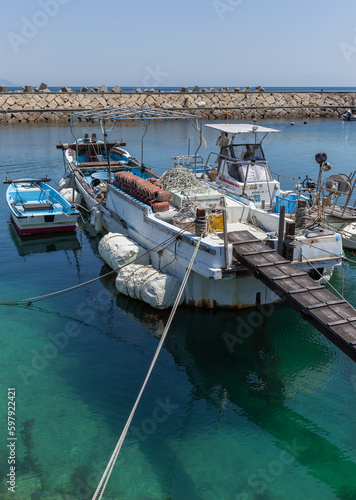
(185, 42)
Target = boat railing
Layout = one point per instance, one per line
(325, 201)
(188, 160)
(284, 177)
(218, 155)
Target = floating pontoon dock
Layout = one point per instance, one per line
(333, 317)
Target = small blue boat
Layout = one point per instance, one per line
(38, 208)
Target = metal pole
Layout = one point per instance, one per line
(146, 124)
(247, 169)
(226, 248)
(105, 134)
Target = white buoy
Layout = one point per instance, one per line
(71, 195)
(117, 250)
(145, 283)
(96, 219)
(66, 182)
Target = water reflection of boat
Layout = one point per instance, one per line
(252, 381)
(40, 244)
(252, 396)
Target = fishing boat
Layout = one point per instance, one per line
(92, 163)
(349, 116)
(218, 279)
(37, 208)
(166, 216)
(242, 170)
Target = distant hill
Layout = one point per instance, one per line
(9, 84)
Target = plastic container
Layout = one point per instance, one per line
(290, 202)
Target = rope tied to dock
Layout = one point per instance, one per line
(107, 473)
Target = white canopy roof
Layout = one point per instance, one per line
(241, 128)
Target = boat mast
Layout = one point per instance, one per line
(146, 123)
(105, 134)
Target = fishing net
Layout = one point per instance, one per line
(180, 180)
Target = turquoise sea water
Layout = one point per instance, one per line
(271, 418)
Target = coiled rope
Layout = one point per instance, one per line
(105, 478)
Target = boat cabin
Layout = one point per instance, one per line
(242, 166)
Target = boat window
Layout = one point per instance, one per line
(235, 171)
(224, 153)
(248, 152)
(257, 172)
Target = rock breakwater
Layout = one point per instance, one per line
(43, 105)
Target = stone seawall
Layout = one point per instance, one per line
(21, 107)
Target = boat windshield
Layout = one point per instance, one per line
(247, 152)
(256, 172)
(239, 154)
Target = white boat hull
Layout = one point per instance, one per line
(208, 286)
(37, 208)
(38, 224)
(347, 231)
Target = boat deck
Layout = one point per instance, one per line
(340, 213)
(332, 316)
(29, 200)
(85, 165)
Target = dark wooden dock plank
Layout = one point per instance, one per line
(332, 316)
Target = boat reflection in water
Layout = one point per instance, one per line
(41, 244)
(250, 384)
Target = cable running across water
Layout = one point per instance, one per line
(105, 478)
(70, 289)
(328, 282)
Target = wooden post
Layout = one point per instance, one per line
(288, 250)
(281, 229)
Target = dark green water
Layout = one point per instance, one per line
(271, 418)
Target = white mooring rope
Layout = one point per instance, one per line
(105, 478)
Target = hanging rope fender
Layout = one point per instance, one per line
(105, 478)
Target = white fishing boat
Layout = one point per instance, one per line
(242, 170)
(37, 208)
(166, 217)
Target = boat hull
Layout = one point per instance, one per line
(25, 227)
(84, 192)
(37, 208)
(347, 231)
(208, 285)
